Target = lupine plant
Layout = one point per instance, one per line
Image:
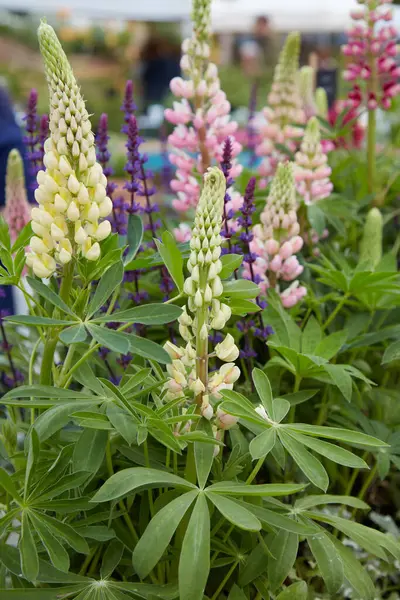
(212, 416)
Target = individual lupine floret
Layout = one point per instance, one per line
(277, 241)
(204, 310)
(201, 116)
(72, 190)
(17, 210)
(311, 169)
(284, 109)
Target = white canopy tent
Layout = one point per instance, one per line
(228, 15)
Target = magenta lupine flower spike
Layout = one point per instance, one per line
(277, 241)
(284, 110)
(311, 170)
(371, 48)
(201, 115)
(17, 212)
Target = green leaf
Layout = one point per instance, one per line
(296, 591)
(241, 288)
(317, 500)
(310, 465)
(328, 560)
(311, 336)
(264, 391)
(32, 320)
(228, 488)
(391, 353)
(172, 258)
(135, 479)
(67, 533)
(57, 553)
(262, 444)
(230, 262)
(148, 349)
(111, 558)
(332, 452)
(90, 450)
(10, 557)
(316, 218)
(243, 307)
(27, 548)
(203, 453)
(147, 314)
(134, 237)
(23, 238)
(73, 335)
(33, 457)
(86, 377)
(123, 422)
(234, 512)
(299, 397)
(283, 548)
(256, 563)
(8, 485)
(331, 344)
(341, 379)
(40, 593)
(132, 381)
(276, 520)
(236, 593)
(46, 391)
(91, 420)
(114, 340)
(47, 293)
(355, 574)
(194, 563)
(335, 433)
(159, 532)
(281, 408)
(106, 286)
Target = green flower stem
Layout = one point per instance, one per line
(335, 312)
(30, 372)
(87, 561)
(174, 299)
(255, 471)
(296, 387)
(51, 342)
(121, 504)
(225, 580)
(147, 461)
(367, 483)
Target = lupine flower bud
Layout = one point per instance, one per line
(72, 179)
(16, 212)
(371, 242)
(321, 102)
(225, 421)
(284, 107)
(311, 170)
(227, 350)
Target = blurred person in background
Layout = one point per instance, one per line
(159, 64)
(256, 49)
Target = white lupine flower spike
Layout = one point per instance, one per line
(204, 311)
(72, 191)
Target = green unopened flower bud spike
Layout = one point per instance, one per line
(72, 190)
(371, 242)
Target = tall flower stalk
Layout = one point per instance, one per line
(284, 109)
(372, 68)
(204, 311)
(201, 115)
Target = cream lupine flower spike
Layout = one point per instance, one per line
(204, 310)
(72, 190)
